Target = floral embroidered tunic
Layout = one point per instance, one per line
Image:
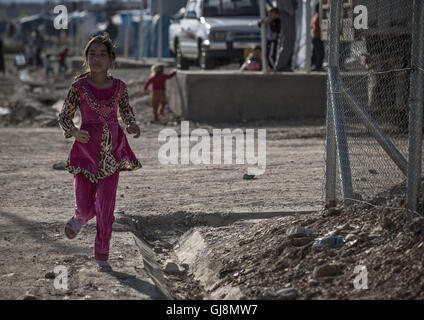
(107, 149)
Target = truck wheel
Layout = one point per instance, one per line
(205, 61)
(182, 63)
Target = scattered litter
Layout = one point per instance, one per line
(295, 232)
(334, 241)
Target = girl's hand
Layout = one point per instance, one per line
(134, 128)
(81, 135)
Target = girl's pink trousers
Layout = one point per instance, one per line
(97, 200)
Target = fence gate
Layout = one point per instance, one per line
(375, 97)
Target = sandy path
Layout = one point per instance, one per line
(36, 201)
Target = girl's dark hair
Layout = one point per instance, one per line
(102, 39)
(317, 8)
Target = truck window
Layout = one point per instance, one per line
(191, 6)
(216, 8)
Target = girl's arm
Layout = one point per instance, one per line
(125, 110)
(70, 105)
(127, 115)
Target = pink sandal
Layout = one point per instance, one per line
(72, 228)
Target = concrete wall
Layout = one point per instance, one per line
(232, 96)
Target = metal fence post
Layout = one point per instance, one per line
(264, 48)
(308, 37)
(337, 102)
(160, 29)
(416, 108)
(330, 153)
(140, 31)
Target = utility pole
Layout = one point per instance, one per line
(127, 30)
(140, 31)
(160, 12)
(262, 8)
(308, 36)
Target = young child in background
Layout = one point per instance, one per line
(158, 80)
(253, 61)
(318, 51)
(100, 150)
(273, 25)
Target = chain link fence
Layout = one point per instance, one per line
(372, 64)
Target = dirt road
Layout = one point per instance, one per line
(36, 201)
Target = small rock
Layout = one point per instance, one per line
(50, 275)
(268, 294)
(351, 237)
(333, 212)
(30, 296)
(313, 282)
(171, 267)
(331, 204)
(300, 242)
(372, 171)
(157, 249)
(248, 176)
(352, 243)
(417, 225)
(297, 232)
(288, 293)
(9, 275)
(328, 271)
(59, 166)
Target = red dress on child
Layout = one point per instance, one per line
(108, 149)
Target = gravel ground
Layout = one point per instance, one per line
(159, 203)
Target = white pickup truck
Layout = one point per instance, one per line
(212, 32)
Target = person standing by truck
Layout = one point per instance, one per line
(287, 34)
(273, 26)
(318, 51)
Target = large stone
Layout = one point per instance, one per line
(328, 270)
(171, 267)
(288, 293)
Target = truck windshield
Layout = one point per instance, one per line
(218, 8)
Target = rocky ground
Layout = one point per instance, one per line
(241, 225)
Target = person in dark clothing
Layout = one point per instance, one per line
(318, 51)
(273, 25)
(287, 34)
